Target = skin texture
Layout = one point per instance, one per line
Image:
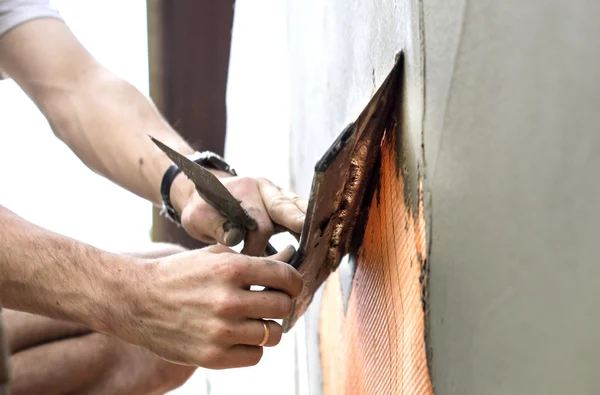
(191, 308)
(56, 357)
(106, 122)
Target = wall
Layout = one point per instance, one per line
(512, 167)
(503, 95)
(340, 52)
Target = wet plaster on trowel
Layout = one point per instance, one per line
(340, 52)
(389, 290)
(374, 342)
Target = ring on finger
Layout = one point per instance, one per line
(265, 338)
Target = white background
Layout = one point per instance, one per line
(47, 184)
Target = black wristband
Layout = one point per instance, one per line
(165, 193)
(206, 159)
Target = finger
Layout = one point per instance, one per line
(257, 240)
(199, 221)
(241, 356)
(206, 224)
(272, 274)
(284, 255)
(254, 332)
(266, 304)
(232, 234)
(302, 204)
(288, 210)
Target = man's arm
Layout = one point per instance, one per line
(106, 122)
(45, 273)
(57, 357)
(193, 308)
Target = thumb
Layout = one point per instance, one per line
(230, 234)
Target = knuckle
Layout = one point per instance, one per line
(198, 210)
(297, 199)
(279, 202)
(231, 270)
(226, 305)
(263, 181)
(246, 182)
(221, 332)
(266, 228)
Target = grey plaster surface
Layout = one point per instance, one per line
(339, 53)
(515, 203)
(506, 95)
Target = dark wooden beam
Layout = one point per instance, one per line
(189, 45)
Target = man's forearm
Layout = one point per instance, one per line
(104, 120)
(49, 274)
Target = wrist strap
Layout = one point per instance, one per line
(206, 159)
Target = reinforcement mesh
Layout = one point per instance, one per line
(378, 345)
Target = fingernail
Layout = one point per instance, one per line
(234, 236)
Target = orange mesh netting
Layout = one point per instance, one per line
(378, 345)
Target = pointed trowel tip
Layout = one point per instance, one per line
(160, 145)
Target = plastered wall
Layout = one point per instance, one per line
(502, 105)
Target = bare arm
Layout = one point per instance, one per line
(106, 122)
(103, 119)
(193, 308)
(49, 274)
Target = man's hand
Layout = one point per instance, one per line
(196, 308)
(106, 122)
(274, 209)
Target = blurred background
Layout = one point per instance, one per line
(100, 213)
